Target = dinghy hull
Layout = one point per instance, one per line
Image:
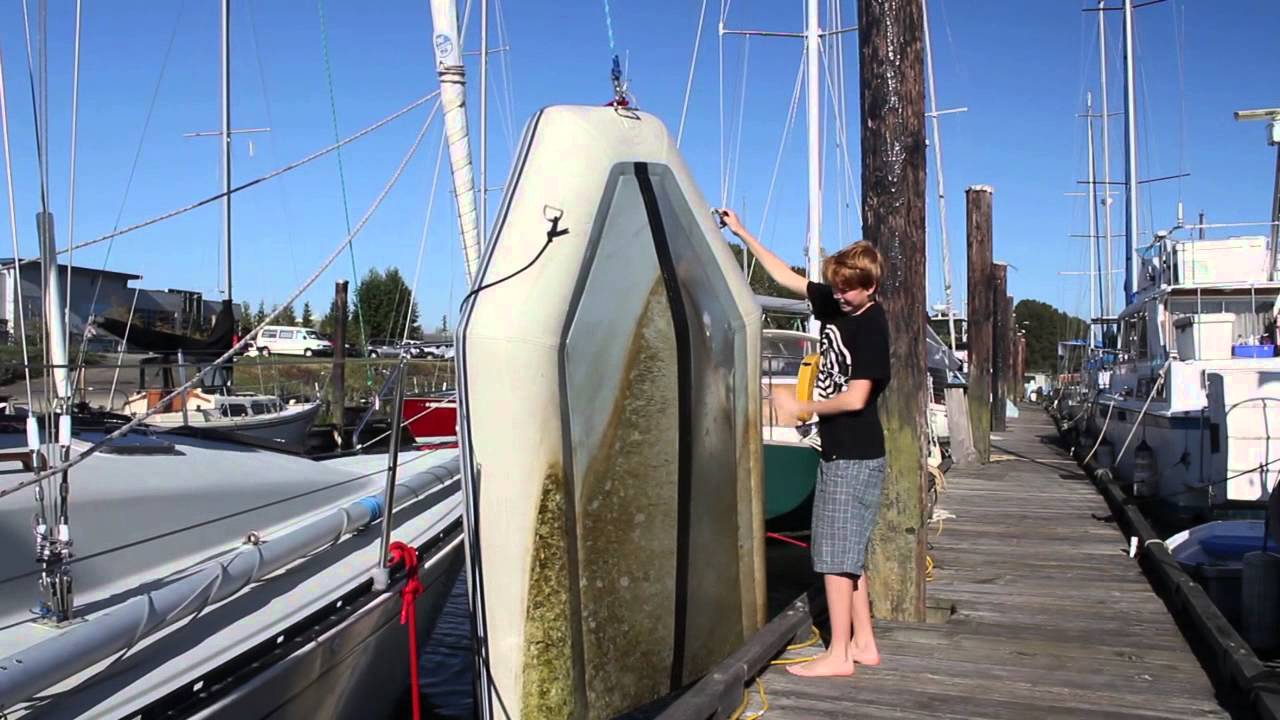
(619, 513)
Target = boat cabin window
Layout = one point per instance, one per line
(1135, 336)
(1253, 316)
(781, 355)
(260, 408)
(236, 410)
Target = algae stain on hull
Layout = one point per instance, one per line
(627, 520)
(547, 689)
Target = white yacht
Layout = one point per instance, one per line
(1192, 407)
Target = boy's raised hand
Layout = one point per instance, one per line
(731, 221)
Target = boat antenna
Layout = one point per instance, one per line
(1272, 115)
(621, 95)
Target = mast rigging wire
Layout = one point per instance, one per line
(693, 64)
(342, 182)
(735, 157)
(71, 180)
(777, 163)
(256, 181)
(128, 185)
(13, 230)
(422, 245)
(229, 354)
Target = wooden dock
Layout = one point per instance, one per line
(1052, 618)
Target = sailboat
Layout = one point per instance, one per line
(216, 406)
(195, 577)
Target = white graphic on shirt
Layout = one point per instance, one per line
(835, 365)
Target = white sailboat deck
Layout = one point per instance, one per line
(142, 522)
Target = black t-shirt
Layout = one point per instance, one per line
(852, 347)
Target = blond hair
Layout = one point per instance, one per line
(855, 267)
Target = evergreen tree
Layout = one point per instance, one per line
(384, 301)
(307, 319)
(1044, 326)
(329, 323)
(287, 316)
(246, 319)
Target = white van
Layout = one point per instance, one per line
(286, 340)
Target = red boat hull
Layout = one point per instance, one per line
(432, 421)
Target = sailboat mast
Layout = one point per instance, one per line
(812, 250)
(1131, 160)
(226, 139)
(937, 163)
(1093, 218)
(484, 115)
(453, 99)
(1109, 292)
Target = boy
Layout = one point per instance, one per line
(852, 372)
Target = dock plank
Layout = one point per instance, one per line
(1053, 619)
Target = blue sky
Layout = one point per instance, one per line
(1022, 67)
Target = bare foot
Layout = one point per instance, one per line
(825, 665)
(864, 656)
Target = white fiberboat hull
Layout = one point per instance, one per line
(611, 425)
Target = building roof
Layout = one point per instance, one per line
(6, 263)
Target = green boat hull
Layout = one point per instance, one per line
(790, 472)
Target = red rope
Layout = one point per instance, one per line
(407, 554)
(786, 539)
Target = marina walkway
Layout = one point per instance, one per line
(1052, 618)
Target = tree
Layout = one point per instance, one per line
(246, 319)
(329, 323)
(307, 319)
(759, 280)
(384, 301)
(287, 316)
(1045, 326)
(260, 316)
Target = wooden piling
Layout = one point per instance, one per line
(891, 84)
(978, 200)
(1013, 384)
(338, 383)
(959, 428)
(999, 346)
(1022, 361)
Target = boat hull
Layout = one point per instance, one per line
(432, 420)
(790, 474)
(286, 430)
(359, 668)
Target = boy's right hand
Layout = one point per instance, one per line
(732, 222)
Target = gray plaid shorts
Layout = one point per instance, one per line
(845, 506)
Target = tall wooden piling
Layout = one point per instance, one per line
(338, 403)
(1019, 361)
(1013, 390)
(891, 84)
(999, 346)
(977, 200)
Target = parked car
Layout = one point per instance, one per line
(438, 352)
(386, 347)
(286, 340)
